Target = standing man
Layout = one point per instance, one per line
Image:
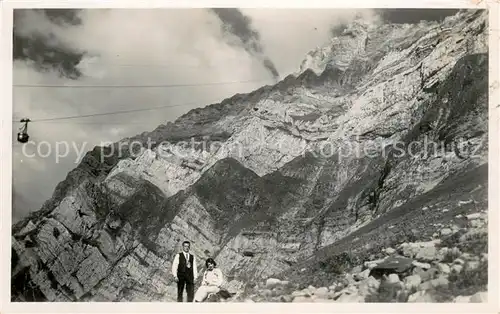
(185, 272)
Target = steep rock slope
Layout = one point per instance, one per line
(275, 176)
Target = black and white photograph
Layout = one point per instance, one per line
(249, 155)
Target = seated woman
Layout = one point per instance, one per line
(211, 283)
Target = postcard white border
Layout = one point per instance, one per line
(157, 307)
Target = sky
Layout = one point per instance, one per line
(239, 49)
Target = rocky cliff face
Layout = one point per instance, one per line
(379, 120)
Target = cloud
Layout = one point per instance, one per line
(289, 34)
(236, 23)
(63, 16)
(36, 40)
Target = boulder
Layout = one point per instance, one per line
(372, 264)
(412, 249)
(390, 251)
(350, 298)
(362, 275)
(392, 264)
(461, 203)
(220, 296)
(286, 298)
(442, 252)
(272, 282)
(476, 232)
(445, 231)
(421, 297)
(434, 283)
(213, 297)
(349, 278)
(284, 283)
(301, 299)
(461, 299)
(409, 250)
(299, 293)
(471, 265)
(321, 292)
(476, 223)
(417, 271)
(349, 294)
(444, 268)
(429, 274)
(393, 279)
(311, 290)
(466, 257)
(440, 281)
(357, 269)
(456, 268)
(335, 295)
(427, 254)
(480, 297)
(423, 266)
(368, 286)
(412, 281)
(347, 290)
(474, 216)
(233, 286)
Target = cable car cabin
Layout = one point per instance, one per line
(22, 137)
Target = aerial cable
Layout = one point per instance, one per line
(101, 114)
(126, 111)
(137, 86)
(159, 65)
(113, 113)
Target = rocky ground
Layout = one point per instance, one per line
(452, 267)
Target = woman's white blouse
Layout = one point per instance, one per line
(213, 278)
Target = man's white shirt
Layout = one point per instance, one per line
(175, 264)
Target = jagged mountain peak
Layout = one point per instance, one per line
(353, 41)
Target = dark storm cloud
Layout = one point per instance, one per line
(240, 25)
(46, 51)
(338, 29)
(414, 15)
(270, 66)
(63, 16)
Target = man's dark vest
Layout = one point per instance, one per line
(182, 270)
